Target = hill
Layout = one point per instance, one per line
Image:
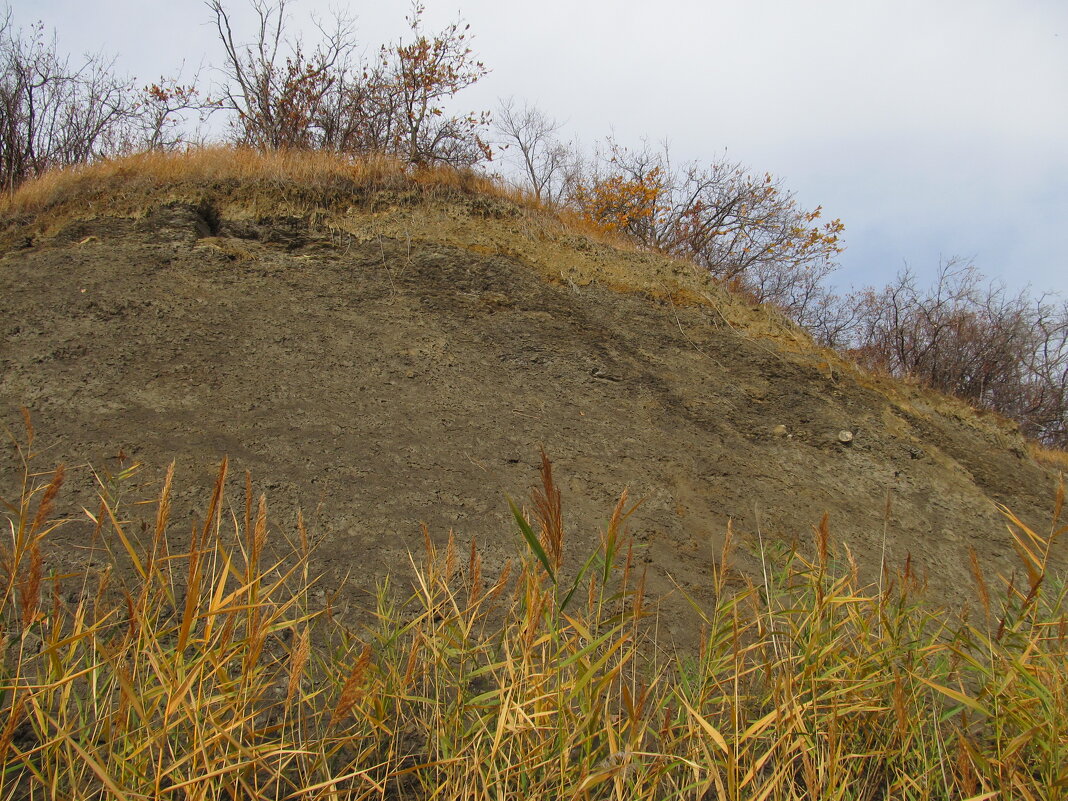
(385, 350)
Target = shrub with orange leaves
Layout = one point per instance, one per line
(745, 229)
(620, 204)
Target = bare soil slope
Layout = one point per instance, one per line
(401, 361)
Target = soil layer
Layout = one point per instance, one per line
(381, 381)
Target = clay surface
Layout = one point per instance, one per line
(380, 381)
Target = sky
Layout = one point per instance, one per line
(932, 128)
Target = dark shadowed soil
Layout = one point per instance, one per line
(384, 382)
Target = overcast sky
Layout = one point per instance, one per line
(933, 128)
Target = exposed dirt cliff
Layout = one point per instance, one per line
(400, 356)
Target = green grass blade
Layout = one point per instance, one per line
(578, 580)
(532, 540)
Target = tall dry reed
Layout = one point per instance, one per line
(207, 672)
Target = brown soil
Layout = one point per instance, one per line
(402, 362)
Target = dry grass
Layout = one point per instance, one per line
(241, 175)
(362, 196)
(1050, 457)
(210, 674)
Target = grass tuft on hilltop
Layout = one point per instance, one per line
(127, 184)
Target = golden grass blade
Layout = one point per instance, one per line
(192, 592)
(178, 695)
(223, 770)
(105, 779)
(502, 721)
(599, 777)
(215, 504)
(774, 782)
(1037, 540)
(955, 695)
(706, 727)
(218, 602)
(366, 774)
(127, 545)
(129, 692)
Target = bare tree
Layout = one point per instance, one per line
(1046, 415)
(285, 96)
(53, 114)
(274, 88)
(972, 338)
(548, 166)
(831, 319)
(161, 107)
(962, 335)
(397, 104)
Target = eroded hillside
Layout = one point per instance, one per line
(398, 356)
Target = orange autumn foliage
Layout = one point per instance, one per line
(616, 203)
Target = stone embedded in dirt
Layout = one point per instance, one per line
(779, 430)
(845, 437)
